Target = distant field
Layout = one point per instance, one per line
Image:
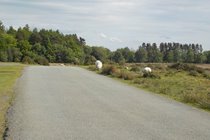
(187, 83)
(9, 72)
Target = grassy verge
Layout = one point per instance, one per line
(9, 72)
(186, 83)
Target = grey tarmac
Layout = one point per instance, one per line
(71, 103)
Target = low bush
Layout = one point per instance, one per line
(89, 60)
(151, 75)
(204, 103)
(139, 81)
(187, 67)
(201, 100)
(206, 75)
(164, 89)
(180, 66)
(92, 68)
(191, 98)
(27, 60)
(193, 73)
(109, 70)
(126, 75)
(42, 60)
(3, 56)
(135, 68)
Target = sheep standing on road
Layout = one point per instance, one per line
(147, 70)
(98, 64)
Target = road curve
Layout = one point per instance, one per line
(71, 103)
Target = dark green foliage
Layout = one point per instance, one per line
(101, 53)
(190, 56)
(14, 54)
(41, 60)
(16, 44)
(44, 46)
(141, 55)
(27, 60)
(2, 28)
(12, 31)
(118, 57)
(17, 55)
(3, 56)
(35, 37)
(207, 55)
(200, 58)
(89, 60)
(123, 55)
(170, 56)
(7, 41)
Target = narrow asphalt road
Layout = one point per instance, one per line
(70, 103)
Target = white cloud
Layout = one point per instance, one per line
(115, 39)
(111, 39)
(119, 21)
(103, 35)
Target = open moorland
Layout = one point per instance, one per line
(187, 83)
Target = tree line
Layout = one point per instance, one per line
(44, 46)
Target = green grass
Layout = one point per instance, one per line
(180, 86)
(190, 86)
(9, 72)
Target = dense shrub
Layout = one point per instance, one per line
(206, 75)
(151, 75)
(3, 56)
(42, 60)
(109, 70)
(204, 103)
(126, 75)
(27, 60)
(92, 68)
(135, 68)
(193, 73)
(89, 60)
(187, 67)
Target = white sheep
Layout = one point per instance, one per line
(98, 64)
(127, 68)
(147, 70)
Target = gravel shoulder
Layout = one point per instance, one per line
(72, 103)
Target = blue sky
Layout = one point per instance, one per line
(115, 23)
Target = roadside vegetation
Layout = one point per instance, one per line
(187, 83)
(9, 72)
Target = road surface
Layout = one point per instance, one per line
(71, 103)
